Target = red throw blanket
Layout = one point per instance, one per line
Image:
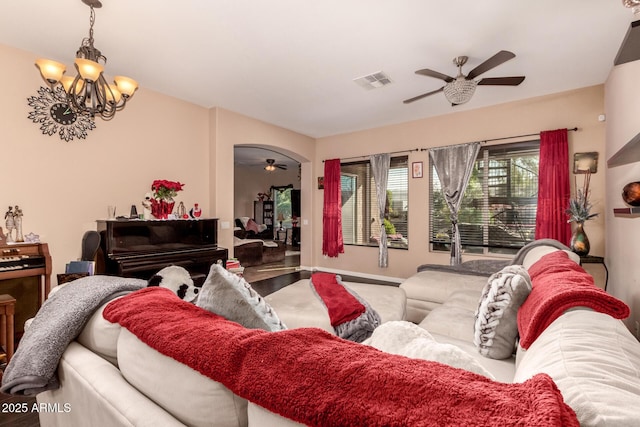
(318, 379)
(558, 284)
(341, 305)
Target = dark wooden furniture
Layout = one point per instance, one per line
(591, 259)
(295, 237)
(25, 273)
(263, 214)
(139, 248)
(7, 311)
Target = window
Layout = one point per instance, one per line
(360, 222)
(498, 211)
(282, 206)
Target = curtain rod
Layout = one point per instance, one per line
(364, 155)
(500, 139)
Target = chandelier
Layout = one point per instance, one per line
(634, 5)
(89, 92)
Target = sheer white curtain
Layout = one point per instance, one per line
(380, 168)
(454, 165)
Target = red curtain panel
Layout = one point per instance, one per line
(332, 242)
(554, 188)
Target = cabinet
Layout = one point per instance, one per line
(25, 274)
(263, 213)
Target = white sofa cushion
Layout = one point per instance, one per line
(454, 318)
(101, 336)
(186, 394)
(94, 393)
(437, 286)
(595, 361)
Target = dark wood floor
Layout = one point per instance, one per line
(13, 418)
(17, 411)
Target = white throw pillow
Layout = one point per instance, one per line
(230, 296)
(408, 339)
(496, 327)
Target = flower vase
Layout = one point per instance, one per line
(580, 241)
(161, 209)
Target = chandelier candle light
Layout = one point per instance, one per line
(89, 92)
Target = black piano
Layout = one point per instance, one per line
(139, 248)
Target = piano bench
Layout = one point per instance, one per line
(7, 310)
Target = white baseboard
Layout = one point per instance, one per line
(355, 273)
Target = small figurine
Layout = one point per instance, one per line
(10, 224)
(146, 206)
(181, 211)
(17, 218)
(195, 212)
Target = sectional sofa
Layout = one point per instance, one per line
(150, 359)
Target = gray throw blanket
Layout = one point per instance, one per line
(360, 328)
(58, 322)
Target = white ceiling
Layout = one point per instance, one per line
(292, 62)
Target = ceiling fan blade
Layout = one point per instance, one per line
(497, 59)
(424, 95)
(501, 81)
(283, 167)
(430, 73)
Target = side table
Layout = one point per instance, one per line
(590, 259)
(7, 310)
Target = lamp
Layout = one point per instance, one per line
(88, 92)
(269, 168)
(281, 218)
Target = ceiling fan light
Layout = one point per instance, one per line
(126, 86)
(89, 70)
(270, 168)
(459, 90)
(51, 71)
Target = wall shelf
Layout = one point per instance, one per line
(630, 48)
(627, 211)
(630, 153)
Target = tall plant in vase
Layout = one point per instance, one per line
(163, 193)
(579, 211)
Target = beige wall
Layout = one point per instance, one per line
(579, 108)
(622, 104)
(251, 180)
(63, 187)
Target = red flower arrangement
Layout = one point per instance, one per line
(165, 190)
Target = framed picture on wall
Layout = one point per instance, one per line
(585, 162)
(416, 170)
(321, 183)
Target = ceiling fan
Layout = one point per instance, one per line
(460, 89)
(272, 165)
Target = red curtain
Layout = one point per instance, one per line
(332, 242)
(554, 189)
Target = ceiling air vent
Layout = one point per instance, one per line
(373, 81)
